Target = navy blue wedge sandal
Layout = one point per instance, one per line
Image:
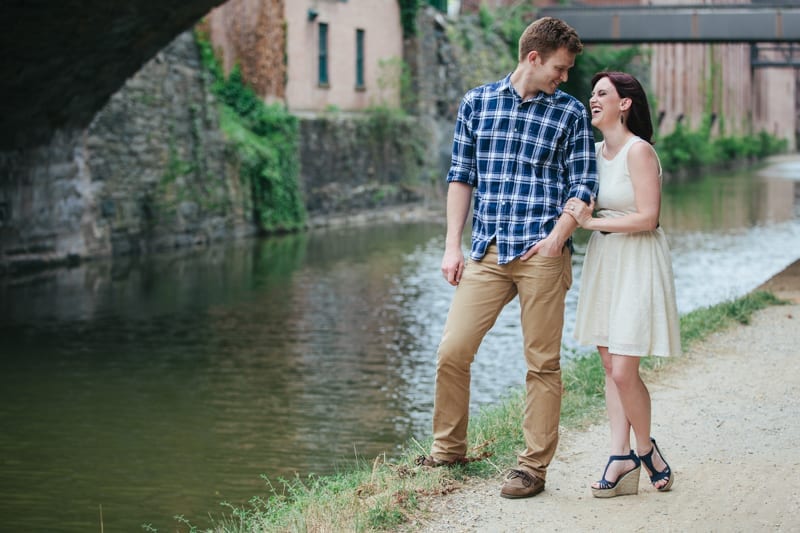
(627, 483)
(656, 476)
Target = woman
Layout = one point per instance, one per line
(627, 304)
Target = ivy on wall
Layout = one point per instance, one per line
(266, 138)
(408, 13)
(408, 16)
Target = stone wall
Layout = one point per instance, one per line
(164, 176)
(152, 172)
(43, 196)
(362, 162)
(448, 57)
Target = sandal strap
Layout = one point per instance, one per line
(647, 460)
(654, 474)
(612, 458)
(606, 484)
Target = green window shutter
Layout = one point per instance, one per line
(359, 59)
(323, 54)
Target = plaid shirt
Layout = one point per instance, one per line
(525, 160)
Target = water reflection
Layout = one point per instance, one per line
(730, 232)
(168, 386)
(163, 387)
(730, 201)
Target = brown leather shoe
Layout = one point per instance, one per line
(433, 462)
(521, 484)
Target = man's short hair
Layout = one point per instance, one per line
(546, 35)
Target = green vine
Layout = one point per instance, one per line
(408, 16)
(266, 138)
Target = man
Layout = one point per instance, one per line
(525, 148)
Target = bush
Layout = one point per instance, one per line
(685, 149)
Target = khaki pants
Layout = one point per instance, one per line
(485, 288)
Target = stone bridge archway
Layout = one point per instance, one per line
(63, 59)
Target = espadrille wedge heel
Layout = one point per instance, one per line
(627, 483)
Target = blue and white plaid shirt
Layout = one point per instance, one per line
(525, 159)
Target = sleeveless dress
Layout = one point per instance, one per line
(627, 294)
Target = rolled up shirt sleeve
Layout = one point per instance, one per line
(462, 163)
(581, 162)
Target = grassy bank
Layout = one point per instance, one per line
(385, 493)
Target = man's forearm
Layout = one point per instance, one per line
(564, 228)
(459, 198)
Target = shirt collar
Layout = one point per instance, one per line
(542, 97)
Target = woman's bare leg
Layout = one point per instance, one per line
(634, 399)
(618, 421)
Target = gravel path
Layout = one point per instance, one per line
(726, 418)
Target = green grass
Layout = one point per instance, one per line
(386, 493)
(699, 323)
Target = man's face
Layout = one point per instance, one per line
(550, 73)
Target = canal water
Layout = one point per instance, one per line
(134, 392)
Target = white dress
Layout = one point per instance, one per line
(627, 296)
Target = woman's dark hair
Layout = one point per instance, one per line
(627, 86)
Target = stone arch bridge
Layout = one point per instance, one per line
(63, 59)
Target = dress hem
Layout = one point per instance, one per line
(631, 353)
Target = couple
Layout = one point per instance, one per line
(525, 152)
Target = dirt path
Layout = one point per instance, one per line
(726, 418)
